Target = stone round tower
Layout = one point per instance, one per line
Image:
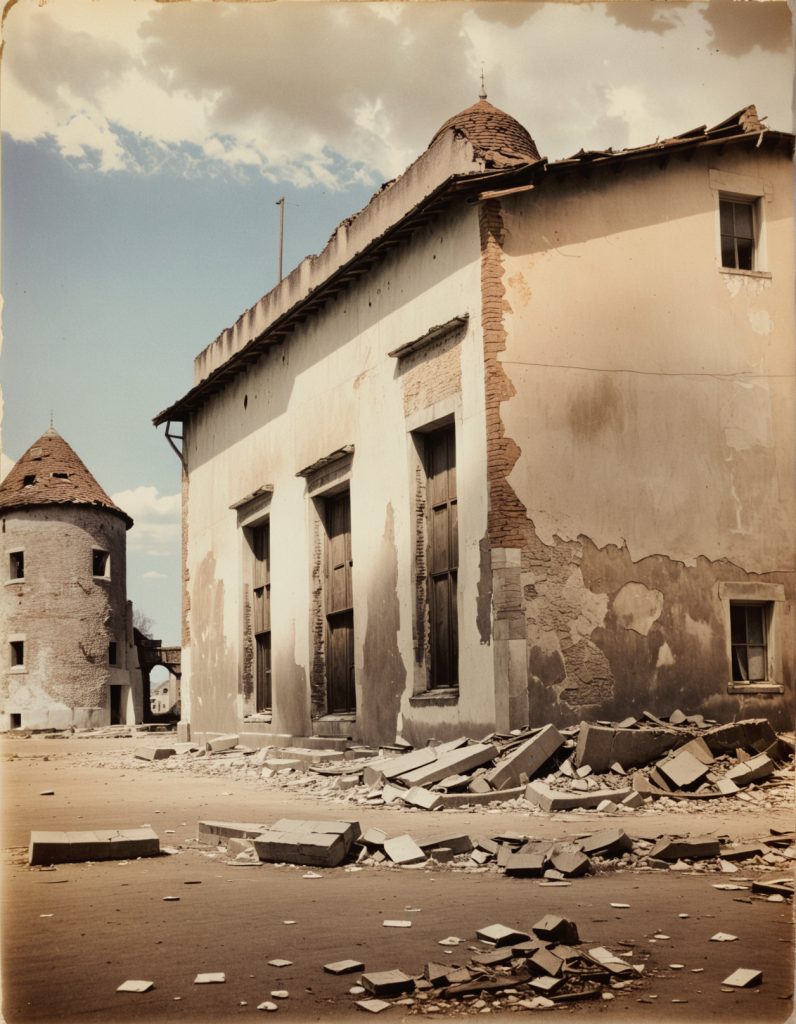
(67, 657)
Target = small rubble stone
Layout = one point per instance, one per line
(155, 753)
(612, 842)
(556, 929)
(136, 986)
(404, 850)
(220, 743)
(344, 967)
(744, 977)
(388, 983)
(212, 978)
(373, 1005)
(501, 935)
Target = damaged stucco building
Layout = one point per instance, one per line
(69, 658)
(516, 447)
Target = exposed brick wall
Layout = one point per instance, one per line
(432, 373)
(66, 615)
(420, 627)
(318, 699)
(507, 518)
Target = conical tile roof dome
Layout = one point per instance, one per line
(491, 130)
(52, 473)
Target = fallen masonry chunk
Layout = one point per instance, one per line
(74, 847)
(744, 977)
(279, 764)
(436, 974)
(528, 758)
(599, 746)
(214, 832)
(683, 769)
(372, 1005)
(310, 848)
(699, 848)
(699, 749)
(753, 770)
(633, 800)
(404, 850)
(280, 963)
(727, 787)
(459, 976)
(556, 929)
(373, 838)
(723, 937)
(456, 844)
(217, 978)
(280, 993)
(344, 967)
(268, 1006)
(392, 767)
(605, 958)
(441, 854)
(527, 948)
(221, 743)
(387, 983)
(136, 986)
(423, 798)
(500, 935)
(543, 961)
(611, 842)
(754, 733)
(480, 856)
(571, 864)
(496, 957)
(742, 852)
(349, 830)
(235, 847)
(397, 924)
(450, 762)
(155, 753)
(525, 865)
(540, 794)
(545, 983)
(778, 887)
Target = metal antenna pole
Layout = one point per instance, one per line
(281, 204)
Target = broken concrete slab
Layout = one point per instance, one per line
(556, 929)
(494, 958)
(611, 842)
(155, 753)
(485, 797)
(753, 770)
(75, 847)
(392, 767)
(215, 832)
(344, 967)
(436, 974)
(692, 848)
(744, 977)
(456, 843)
(752, 733)
(388, 983)
(501, 935)
(742, 852)
(462, 759)
(349, 830)
(404, 850)
(136, 986)
(441, 854)
(542, 795)
(210, 978)
(527, 758)
(699, 749)
(570, 863)
(683, 769)
(317, 849)
(371, 1005)
(525, 865)
(599, 746)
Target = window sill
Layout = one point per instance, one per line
(764, 274)
(265, 717)
(435, 698)
(18, 670)
(755, 688)
(10, 583)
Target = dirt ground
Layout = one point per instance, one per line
(73, 934)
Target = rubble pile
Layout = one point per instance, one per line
(510, 970)
(333, 843)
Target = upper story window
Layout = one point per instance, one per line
(16, 565)
(17, 653)
(112, 653)
(738, 225)
(101, 563)
(749, 639)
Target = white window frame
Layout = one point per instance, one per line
(744, 189)
(771, 596)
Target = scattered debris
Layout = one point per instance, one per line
(136, 986)
(744, 977)
(217, 978)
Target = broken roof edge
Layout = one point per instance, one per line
(275, 329)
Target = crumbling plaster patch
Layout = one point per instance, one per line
(637, 607)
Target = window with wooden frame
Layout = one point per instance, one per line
(16, 565)
(737, 222)
(749, 625)
(100, 563)
(443, 556)
(339, 606)
(261, 590)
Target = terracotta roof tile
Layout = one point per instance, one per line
(51, 473)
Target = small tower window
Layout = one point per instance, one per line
(17, 565)
(17, 653)
(101, 563)
(60, 476)
(112, 653)
(29, 481)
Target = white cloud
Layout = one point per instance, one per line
(156, 517)
(317, 93)
(151, 574)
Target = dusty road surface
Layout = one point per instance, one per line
(73, 934)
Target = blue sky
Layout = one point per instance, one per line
(145, 146)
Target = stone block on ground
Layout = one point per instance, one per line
(220, 743)
(370, 1005)
(742, 852)
(450, 762)
(699, 749)
(540, 794)
(155, 753)
(314, 849)
(571, 863)
(373, 838)
(744, 977)
(599, 746)
(692, 848)
(441, 854)
(611, 842)
(387, 983)
(436, 974)
(487, 797)
(754, 733)
(349, 830)
(501, 935)
(76, 847)
(419, 796)
(727, 787)
(280, 764)
(344, 967)
(527, 758)
(479, 785)
(556, 929)
(525, 865)
(456, 843)
(683, 769)
(543, 961)
(494, 958)
(404, 850)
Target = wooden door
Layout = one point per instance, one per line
(341, 695)
(443, 557)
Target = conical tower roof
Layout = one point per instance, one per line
(490, 130)
(52, 473)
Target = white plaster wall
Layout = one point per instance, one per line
(654, 392)
(329, 385)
